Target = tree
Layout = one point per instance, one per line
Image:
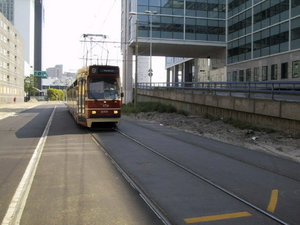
(30, 83)
(55, 94)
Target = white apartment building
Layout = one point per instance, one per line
(11, 62)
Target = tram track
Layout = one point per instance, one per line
(156, 209)
(237, 158)
(190, 171)
(264, 212)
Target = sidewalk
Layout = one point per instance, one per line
(10, 109)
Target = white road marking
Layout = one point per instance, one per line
(17, 204)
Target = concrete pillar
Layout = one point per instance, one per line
(188, 71)
(175, 75)
(168, 75)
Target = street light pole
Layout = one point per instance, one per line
(136, 59)
(150, 71)
(136, 62)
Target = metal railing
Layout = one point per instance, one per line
(275, 90)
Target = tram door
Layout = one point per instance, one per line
(81, 107)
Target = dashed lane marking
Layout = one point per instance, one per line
(273, 201)
(271, 208)
(217, 217)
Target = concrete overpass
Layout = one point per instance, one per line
(176, 48)
(164, 47)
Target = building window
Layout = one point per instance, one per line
(240, 25)
(295, 33)
(295, 7)
(248, 75)
(239, 50)
(236, 6)
(296, 69)
(269, 13)
(271, 41)
(256, 74)
(274, 72)
(234, 76)
(241, 75)
(265, 73)
(229, 77)
(284, 70)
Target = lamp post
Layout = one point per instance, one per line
(150, 71)
(136, 59)
(136, 62)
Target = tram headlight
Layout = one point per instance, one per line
(116, 112)
(94, 112)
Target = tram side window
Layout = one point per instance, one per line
(103, 89)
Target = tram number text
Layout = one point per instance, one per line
(103, 111)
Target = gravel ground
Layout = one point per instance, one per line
(273, 143)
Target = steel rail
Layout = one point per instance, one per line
(264, 212)
(143, 195)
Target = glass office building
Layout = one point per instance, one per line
(7, 9)
(177, 28)
(263, 40)
(258, 39)
(184, 20)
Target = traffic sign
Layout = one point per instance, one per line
(150, 72)
(42, 74)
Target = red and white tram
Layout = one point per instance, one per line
(95, 97)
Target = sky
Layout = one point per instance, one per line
(65, 21)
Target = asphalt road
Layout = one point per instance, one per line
(261, 181)
(53, 171)
(74, 183)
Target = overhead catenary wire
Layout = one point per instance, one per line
(102, 44)
(107, 15)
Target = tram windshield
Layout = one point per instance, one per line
(103, 88)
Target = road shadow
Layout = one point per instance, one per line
(62, 123)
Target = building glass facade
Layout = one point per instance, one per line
(261, 29)
(183, 19)
(7, 9)
(262, 37)
(11, 62)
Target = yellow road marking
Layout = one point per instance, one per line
(273, 201)
(217, 217)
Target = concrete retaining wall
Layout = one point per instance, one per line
(279, 115)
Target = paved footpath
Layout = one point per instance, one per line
(9, 109)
